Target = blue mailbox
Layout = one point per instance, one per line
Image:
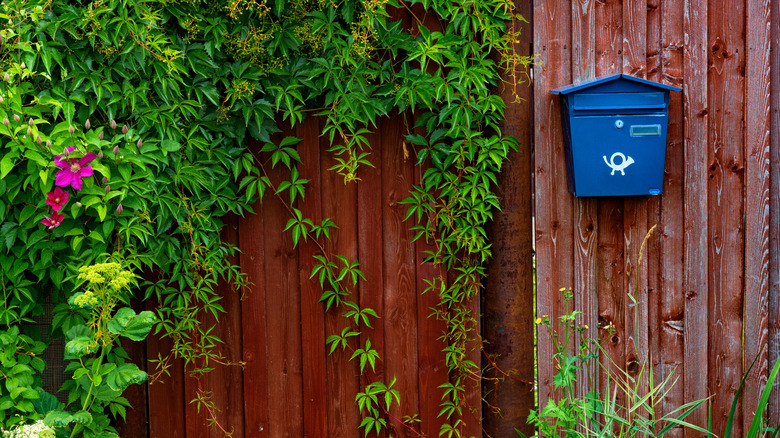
(615, 133)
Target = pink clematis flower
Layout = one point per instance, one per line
(57, 199)
(54, 220)
(73, 170)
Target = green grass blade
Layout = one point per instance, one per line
(733, 410)
(755, 427)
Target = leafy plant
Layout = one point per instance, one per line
(100, 373)
(595, 414)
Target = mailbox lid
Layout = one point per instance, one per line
(615, 83)
(618, 103)
(600, 150)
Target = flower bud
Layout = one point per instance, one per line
(23, 65)
(100, 136)
(100, 155)
(78, 204)
(31, 122)
(113, 124)
(6, 77)
(124, 129)
(48, 143)
(87, 125)
(105, 179)
(108, 188)
(39, 140)
(29, 131)
(119, 209)
(116, 150)
(71, 130)
(140, 143)
(16, 117)
(5, 121)
(1, 99)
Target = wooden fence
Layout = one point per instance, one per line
(708, 289)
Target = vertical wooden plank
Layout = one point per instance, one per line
(586, 230)
(253, 322)
(315, 396)
(726, 85)
(553, 203)
(166, 395)
(670, 234)
(400, 317)
(196, 420)
(757, 179)
(508, 302)
(695, 210)
(339, 203)
(230, 403)
(370, 252)
(283, 317)
(774, 237)
(610, 262)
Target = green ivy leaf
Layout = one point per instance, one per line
(124, 375)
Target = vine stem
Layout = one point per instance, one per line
(91, 387)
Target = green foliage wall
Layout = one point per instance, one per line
(124, 134)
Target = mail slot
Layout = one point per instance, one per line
(615, 135)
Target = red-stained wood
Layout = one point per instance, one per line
(696, 218)
(343, 376)
(726, 164)
(225, 382)
(757, 222)
(586, 227)
(400, 302)
(315, 395)
(370, 251)
(253, 322)
(669, 235)
(166, 394)
(612, 297)
(283, 318)
(774, 237)
(635, 224)
(508, 312)
(553, 209)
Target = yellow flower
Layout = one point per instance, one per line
(538, 320)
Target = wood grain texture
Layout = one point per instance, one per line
(774, 237)
(695, 264)
(670, 235)
(757, 199)
(583, 25)
(635, 225)
(508, 296)
(726, 83)
(166, 395)
(553, 209)
(225, 382)
(370, 249)
(253, 322)
(610, 242)
(283, 320)
(315, 396)
(400, 312)
(343, 376)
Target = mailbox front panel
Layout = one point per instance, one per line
(618, 155)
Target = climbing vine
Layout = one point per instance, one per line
(124, 139)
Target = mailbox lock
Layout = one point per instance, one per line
(618, 124)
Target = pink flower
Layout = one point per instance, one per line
(57, 199)
(54, 220)
(73, 170)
